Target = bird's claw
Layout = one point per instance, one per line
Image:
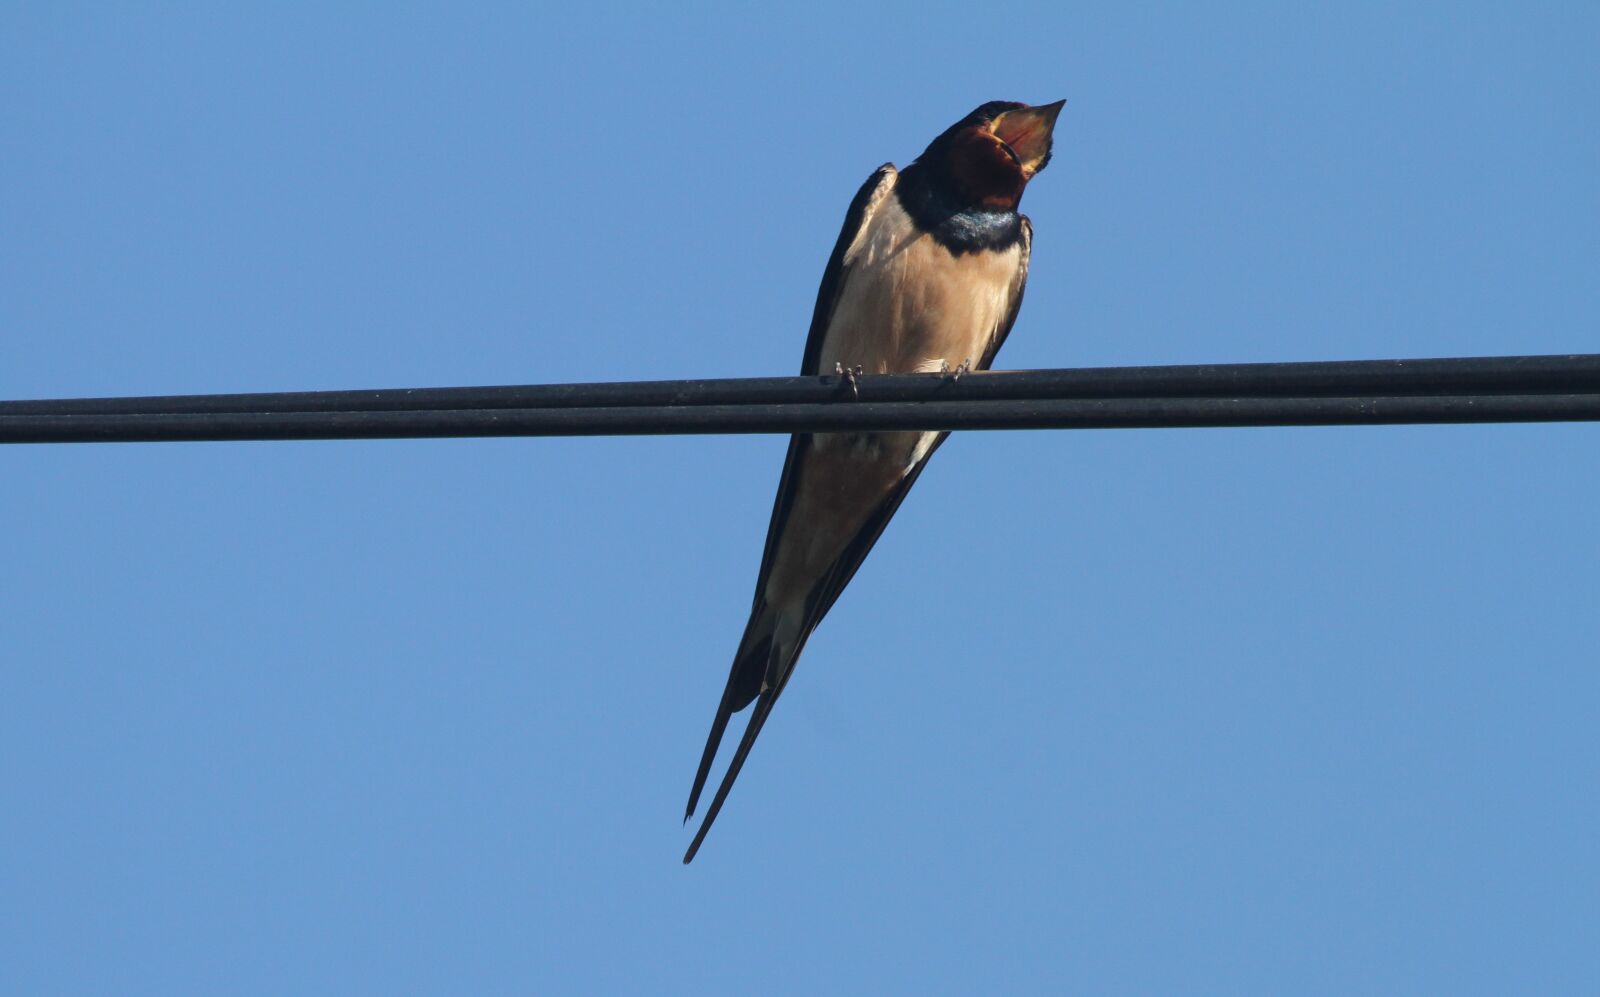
(944, 368)
(850, 374)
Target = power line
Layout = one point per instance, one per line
(1362, 392)
(1579, 373)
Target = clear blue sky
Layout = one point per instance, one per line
(1263, 711)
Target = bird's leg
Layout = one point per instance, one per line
(944, 368)
(849, 374)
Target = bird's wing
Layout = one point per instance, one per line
(751, 662)
(867, 200)
(862, 207)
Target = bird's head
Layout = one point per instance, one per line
(988, 157)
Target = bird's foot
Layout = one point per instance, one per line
(850, 374)
(944, 368)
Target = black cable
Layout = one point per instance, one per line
(1368, 392)
(1570, 373)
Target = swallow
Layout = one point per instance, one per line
(927, 275)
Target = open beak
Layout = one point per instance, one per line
(1027, 132)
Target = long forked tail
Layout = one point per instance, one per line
(758, 718)
(744, 684)
(760, 670)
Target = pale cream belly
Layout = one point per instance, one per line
(907, 305)
(843, 480)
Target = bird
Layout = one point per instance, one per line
(927, 276)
